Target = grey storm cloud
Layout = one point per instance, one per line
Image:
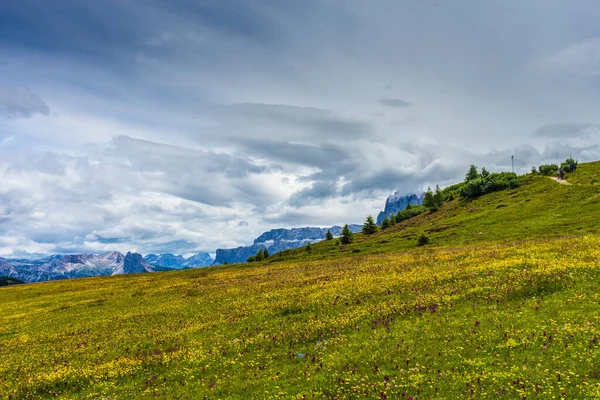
(20, 102)
(562, 131)
(395, 103)
(200, 124)
(282, 118)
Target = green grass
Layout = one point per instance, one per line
(539, 208)
(502, 304)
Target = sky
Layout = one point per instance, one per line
(190, 125)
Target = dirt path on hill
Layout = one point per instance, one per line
(562, 182)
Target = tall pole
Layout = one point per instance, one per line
(512, 159)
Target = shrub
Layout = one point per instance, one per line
(422, 240)
(492, 183)
(548, 169)
(409, 212)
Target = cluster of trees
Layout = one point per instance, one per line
(477, 184)
(552, 169)
(260, 255)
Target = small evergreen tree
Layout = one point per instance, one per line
(428, 200)
(392, 220)
(329, 235)
(259, 255)
(534, 170)
(438, 198)
(472, 174)
(265, 253)
(369, 227)
(251, 259)
(385, 223)
(308, 247)
(484, 172)
(346, 235)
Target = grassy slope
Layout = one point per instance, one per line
(496, 307)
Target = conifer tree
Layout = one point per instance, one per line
(472, 174)
(369, 227)
(265, 253)
(438, 198)
(385, 223)
(329, 235)
(428, 200)
(259, 255)
(346, 235)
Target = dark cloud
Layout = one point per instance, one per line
(20, 102)
(324, 156)
(289, 120)
(395, 103)
(562, 131)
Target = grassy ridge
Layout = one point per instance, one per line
(539, 208)
(495, 308)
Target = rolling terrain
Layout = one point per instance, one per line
(502, 303)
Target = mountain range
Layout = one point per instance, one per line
(277, 240)
(74, 266)
(172, 261)
(113, 263)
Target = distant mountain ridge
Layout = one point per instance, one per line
(72, 266)
(277, 240)
(398, 202)
(172, 261)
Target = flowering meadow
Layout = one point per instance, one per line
(512, 320)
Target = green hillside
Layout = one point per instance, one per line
(503, 303)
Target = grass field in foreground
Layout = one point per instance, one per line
(518, 320)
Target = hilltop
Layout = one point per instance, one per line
(502, 303)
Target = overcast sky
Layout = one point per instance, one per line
(184, 125)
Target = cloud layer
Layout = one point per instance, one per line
(191, 125)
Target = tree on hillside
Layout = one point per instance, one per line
(369, 227)
(385, 223)
(484, 172)
(472, 174)
(265, 253)
(259, 255)
(438, 198)
(346, 235)
(428, 200)
(329, 235)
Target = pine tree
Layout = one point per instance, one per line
(438, 198)
(484, 172)
(259, 255)
(472, 174)
(428, 200)
(265, 253)
(385, 223)
(392, 220)
(369, 227)
(346, 235)
(329, 235)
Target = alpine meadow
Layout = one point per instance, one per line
(501, 302)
